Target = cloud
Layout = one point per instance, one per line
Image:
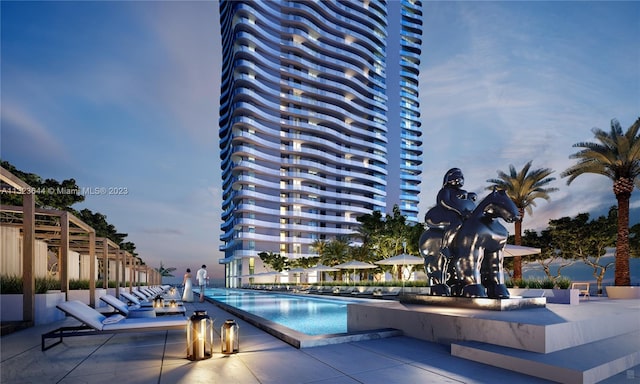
(22, 132)
(513, 88)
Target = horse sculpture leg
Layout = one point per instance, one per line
(435, 264)
(468, 281)
(493, 276)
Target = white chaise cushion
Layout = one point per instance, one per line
(113, 319)
(84, 313)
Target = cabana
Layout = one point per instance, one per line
(65, 232)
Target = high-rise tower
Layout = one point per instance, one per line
(311, 132)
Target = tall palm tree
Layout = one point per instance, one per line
(165, 272)
(617, 156)
(523, 187)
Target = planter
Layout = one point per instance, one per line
(554, 296)
(563, 296)
(45, 307)
(11, 306)
(83, 295)
(627, 292)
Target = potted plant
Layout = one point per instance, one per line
(46, 299)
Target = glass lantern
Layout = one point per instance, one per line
(230, 337)
(158, 302)
(199, 336)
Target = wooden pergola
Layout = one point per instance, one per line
(28, 243)
(59, 229)
(63, 230)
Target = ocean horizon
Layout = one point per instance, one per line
(579, 271)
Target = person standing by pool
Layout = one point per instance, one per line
(201, 277)
(187, 295)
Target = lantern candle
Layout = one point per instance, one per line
(199, 336)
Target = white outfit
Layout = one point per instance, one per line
(187, 295)
(201, 277)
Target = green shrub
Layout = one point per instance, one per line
(13, 284)
(548, 283)
(10, 284)
(534, 284)
(563, 282)
(78, 284)
(45, 284)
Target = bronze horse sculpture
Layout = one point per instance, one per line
(474, 268)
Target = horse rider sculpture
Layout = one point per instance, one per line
(462, 245)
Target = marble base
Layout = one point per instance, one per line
(475, 303)
(583, 343)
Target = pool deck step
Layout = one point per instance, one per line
(586, 363)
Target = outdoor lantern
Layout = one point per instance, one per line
(230, 337)
(199, 336)
(158, 302)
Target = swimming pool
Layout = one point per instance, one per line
(300, 320)
(308, 315)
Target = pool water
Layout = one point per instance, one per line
(309, 315)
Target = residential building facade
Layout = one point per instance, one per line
(310, 135)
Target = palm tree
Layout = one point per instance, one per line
(523, 188)
(617, 156)
(336, 251)
(165, 272)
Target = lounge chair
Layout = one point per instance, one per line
(138, 311)
(134, 300)
(363, 292)
(387, 293)
(583, 289)
(348, 291)
(95, 323)
(142, 295)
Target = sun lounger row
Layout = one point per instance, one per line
(138, 310)
(93, 322)
(365, 292)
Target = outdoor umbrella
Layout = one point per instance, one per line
(354, 264)
(402, 259)
(297, 271)
(322, 268)
(511, 250)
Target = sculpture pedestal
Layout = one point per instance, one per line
(475, 303)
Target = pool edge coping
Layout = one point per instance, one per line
(301, 340)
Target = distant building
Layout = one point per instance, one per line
(319, 122)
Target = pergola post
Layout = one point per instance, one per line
(28, 258)
(105, 264)
(130, 274)
(28, 243)
(92, 268)
(118, 270)
(63, 260)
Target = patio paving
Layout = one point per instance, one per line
(160, 357)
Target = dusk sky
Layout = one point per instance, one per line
(126, 94)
